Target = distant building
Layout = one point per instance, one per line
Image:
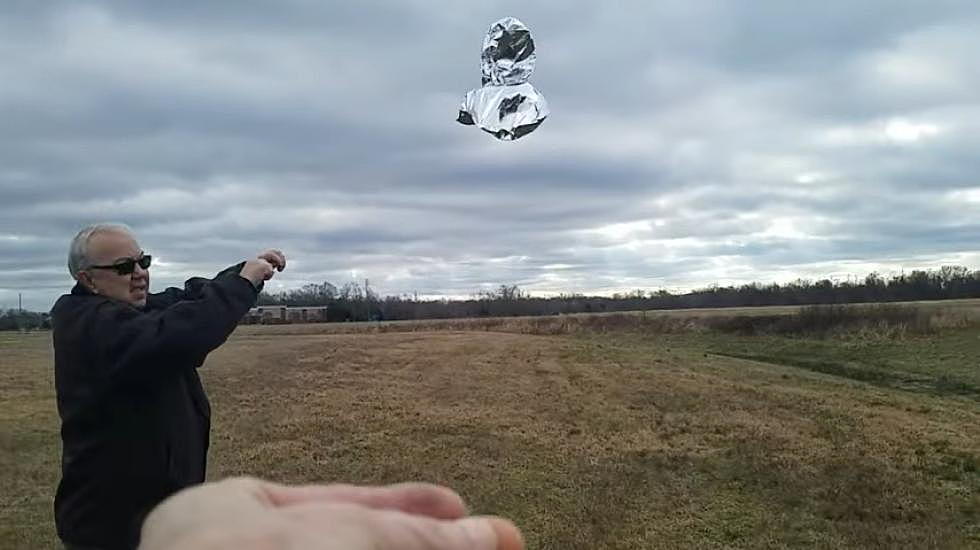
(266, 315)
(311, 314)
(272, 315)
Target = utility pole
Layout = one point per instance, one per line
(20, 303)
(367, 297)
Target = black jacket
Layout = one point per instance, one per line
(134, 417)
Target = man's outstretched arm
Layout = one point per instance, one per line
(133, 344)
(193, 286)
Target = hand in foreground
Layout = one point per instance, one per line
(251, 514)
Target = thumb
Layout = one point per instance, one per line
(472, 533)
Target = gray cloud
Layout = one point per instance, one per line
(691, 142)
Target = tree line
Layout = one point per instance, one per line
(352, 302)
(16, 319)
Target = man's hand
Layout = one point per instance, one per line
(264, 266)
(257, 271)
(251, 514)
(274, 257)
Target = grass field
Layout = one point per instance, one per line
(643, 431)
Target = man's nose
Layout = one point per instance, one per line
(139, 272)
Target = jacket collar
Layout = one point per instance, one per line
(80, 290)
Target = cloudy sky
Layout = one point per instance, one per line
(690, 141)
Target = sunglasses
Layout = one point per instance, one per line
(128, 266)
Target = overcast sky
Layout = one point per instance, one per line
(690, 141)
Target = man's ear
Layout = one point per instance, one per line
(85, 278)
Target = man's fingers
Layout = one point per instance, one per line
(274, 257)
(396, 530)
(403, 532)
(421, 499)
(277, 259)
(508, 535)
(491, 533)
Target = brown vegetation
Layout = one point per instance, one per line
(618, 431)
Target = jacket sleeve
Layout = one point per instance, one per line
(191, 291)
(131, 344)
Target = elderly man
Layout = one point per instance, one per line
(135, 419)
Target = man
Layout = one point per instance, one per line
(135, 419)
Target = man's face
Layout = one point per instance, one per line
(111, 248)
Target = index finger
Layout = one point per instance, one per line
(421, 499)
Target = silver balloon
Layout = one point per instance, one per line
(507, 105)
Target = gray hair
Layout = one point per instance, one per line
(78, 258)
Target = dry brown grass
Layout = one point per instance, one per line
(604, 438)
(603, 442)
(29, 443)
